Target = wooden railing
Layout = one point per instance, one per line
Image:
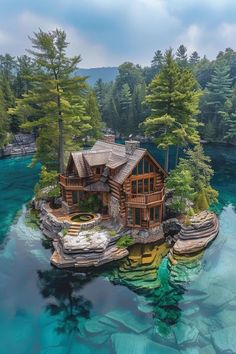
(149, 198)
(69, 180)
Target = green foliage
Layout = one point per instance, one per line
(125, 241)
(32, 219)
(180, 182)
(91, 204)
(112, 233)
(55, 105)
(216, 104)
(48, 185)
(181, 56)
(65, 231)
(173, 98)
(190, 182)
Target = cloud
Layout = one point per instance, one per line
(108, 32)
(4, 38)
(28, 22)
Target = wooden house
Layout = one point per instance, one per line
(127, 179)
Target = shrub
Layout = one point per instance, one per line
(48, 185)
(91, 204)
(112, 233)
(125, 241)
(32, 219)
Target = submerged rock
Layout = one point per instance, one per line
(225, 340)
(138, 344)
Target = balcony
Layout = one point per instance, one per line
(150, 199)
(72, 182)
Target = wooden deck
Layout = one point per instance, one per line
(146, 199)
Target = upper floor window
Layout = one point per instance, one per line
(144, 166)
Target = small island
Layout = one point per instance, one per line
(115, 195)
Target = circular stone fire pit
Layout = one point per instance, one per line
(82, 217)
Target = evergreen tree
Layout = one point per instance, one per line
(22, 82)
(217, 99)
(181, 56)
(194, 58)
(125, 99)
(3, 120)
(56, 103)
(92, 110)
(230, 135)
(200, 167)
(157, 60)
(180, 183)
(173, 98)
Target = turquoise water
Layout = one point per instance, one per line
(45, 310)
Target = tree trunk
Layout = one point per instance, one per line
(177, 155)
(167, 159)
(61, 134)
(61, 143)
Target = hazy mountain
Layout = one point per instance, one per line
(106, 74)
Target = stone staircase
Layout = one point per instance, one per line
(73, 230)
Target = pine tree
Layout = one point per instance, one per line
(125, 99)
(173, 98)
(56, 104)
(181, 56)
(180, 181)
(3, 120)
(194, 58)
(231, 128)
(217, 98)
(92, 110)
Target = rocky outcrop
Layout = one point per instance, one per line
(49, 224)
(22, 144)
(87, 250)
(202, 229)
(185, 257)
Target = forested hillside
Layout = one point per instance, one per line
(123, 102)
(123, 106)
(107, 74)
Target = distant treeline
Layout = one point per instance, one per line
(122, 102)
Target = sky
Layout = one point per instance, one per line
(109, 32)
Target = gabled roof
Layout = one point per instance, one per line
(81, 164)
(112, 156)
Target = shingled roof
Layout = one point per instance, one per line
(111, 155)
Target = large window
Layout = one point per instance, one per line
(154, 215)
(142, 185)
(75, 197)
(144, 166)
(143, 217)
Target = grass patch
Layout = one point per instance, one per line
(125, 241)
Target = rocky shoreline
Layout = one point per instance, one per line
(22, 144)
(97, 245)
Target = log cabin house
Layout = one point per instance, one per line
(128, 181)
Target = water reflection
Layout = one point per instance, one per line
(62, 289)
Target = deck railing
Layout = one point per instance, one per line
(69, 180)
(149, 198)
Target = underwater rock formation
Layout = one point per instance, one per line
(139, 269)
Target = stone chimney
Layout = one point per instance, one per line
(109, 138)
(131, 146)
